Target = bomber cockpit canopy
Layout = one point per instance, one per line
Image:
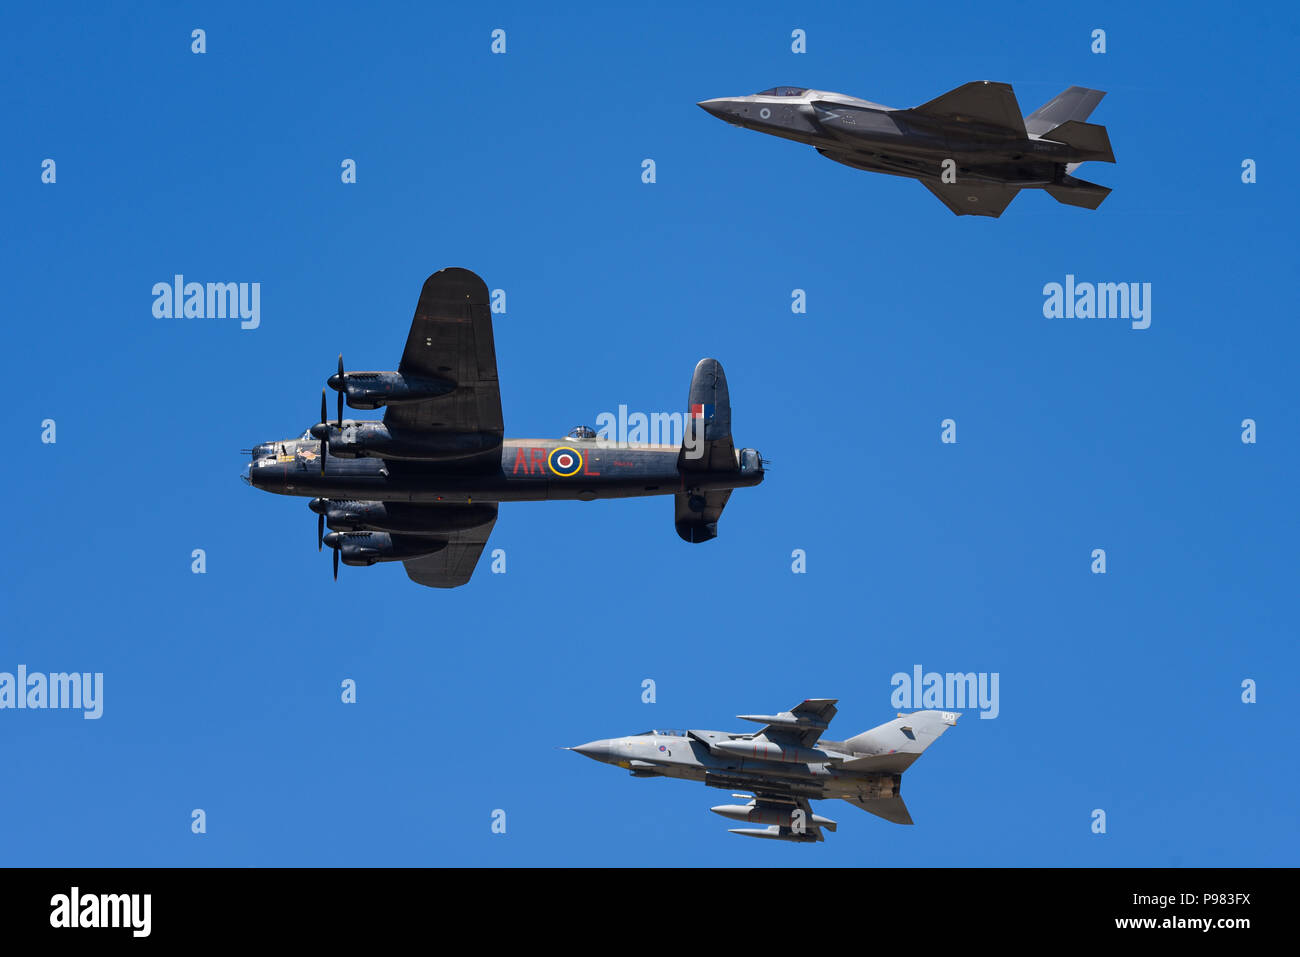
(581, 432)
(305, 435)
(784, 91)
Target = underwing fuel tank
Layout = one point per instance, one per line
(767, 751)
(783, 818)
(775, 833)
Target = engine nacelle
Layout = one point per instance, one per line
(367, 548)
(759, 750)
(376, 440)
(374, 390)
(398, 517)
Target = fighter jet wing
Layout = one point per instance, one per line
(981, 104)
(451, 337)
(454, 564)
(973, 199)
(820, 710)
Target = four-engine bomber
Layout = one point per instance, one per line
(423, 485)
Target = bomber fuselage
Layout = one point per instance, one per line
(528, 470)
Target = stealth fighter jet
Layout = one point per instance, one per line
(970, 147)
(422, 486)
(785, 765)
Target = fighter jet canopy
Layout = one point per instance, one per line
(784, 91)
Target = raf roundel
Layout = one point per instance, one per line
(564, 461)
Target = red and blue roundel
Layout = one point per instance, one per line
(564, 461)
(662, 748)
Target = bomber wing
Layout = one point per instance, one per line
(453, 565)
(451, 337)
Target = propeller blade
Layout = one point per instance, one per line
(342, 386)
(336, 564)
(320, 531)
(324, 442)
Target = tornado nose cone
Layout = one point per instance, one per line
(596, 750)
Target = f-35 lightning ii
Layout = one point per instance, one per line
(422, 486)
(970, 147)
(786, 765)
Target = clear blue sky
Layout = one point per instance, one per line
(1119, 692)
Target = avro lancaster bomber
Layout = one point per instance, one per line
(422, 485)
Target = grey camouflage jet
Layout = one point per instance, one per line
(994, 152)
(422, 486)
(785, 765)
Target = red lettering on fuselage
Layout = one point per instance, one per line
(519, 460)
(585, 470)
(537, 457)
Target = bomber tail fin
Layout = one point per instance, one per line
(706, 447)
(1076, 103)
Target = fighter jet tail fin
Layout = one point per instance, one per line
(1076, 103)
(1089, 138)
(1078, 192)
(894, 745)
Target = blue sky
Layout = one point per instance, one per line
(1119, 691)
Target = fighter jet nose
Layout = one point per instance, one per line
(596, 750)
(718, 107)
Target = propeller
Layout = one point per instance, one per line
(320, 531)
(336, 564)
(342, 386)
(325, 439)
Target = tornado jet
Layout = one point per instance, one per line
(786, 765)
(970, 146)
(422, 486)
